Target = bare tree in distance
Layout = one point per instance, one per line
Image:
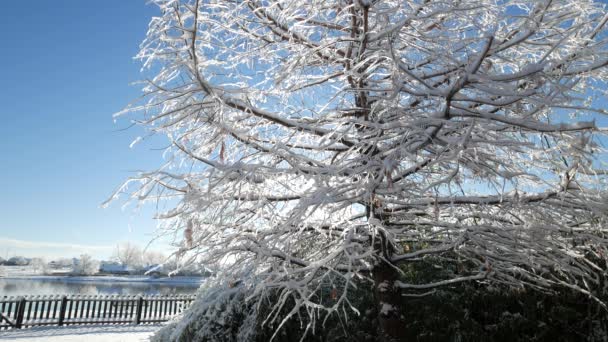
(338, 141)
(39, 265)
(153, 258)
(128, 254)
(86, 265)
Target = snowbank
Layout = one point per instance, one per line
(90, 333)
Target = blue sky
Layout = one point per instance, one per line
(66, 67)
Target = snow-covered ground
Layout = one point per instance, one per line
(18, 271)
(92, 333)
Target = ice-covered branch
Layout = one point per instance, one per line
(328, 143)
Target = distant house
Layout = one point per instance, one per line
(114, 268)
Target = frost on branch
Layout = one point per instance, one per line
(214, 318)
(320, 144)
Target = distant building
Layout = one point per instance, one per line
(111, 267)
(61, 263)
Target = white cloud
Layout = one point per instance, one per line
(11, 247)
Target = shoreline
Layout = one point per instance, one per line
(181, 280)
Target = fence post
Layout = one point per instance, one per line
(20, 311)
(64, 302)
(140, 302)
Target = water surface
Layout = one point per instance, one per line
(54, 286)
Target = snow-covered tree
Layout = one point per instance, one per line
(128, 254)
(153, 258)
(86, 265)
(39, 265)
(329, 142)
(17, 261)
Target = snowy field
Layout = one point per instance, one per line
(24, 271)
(93, 333)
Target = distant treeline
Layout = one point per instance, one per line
(16, 261)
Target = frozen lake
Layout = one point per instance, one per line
(88, 286)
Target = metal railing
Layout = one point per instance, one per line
(30, 311)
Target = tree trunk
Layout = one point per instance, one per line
(389, 304)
